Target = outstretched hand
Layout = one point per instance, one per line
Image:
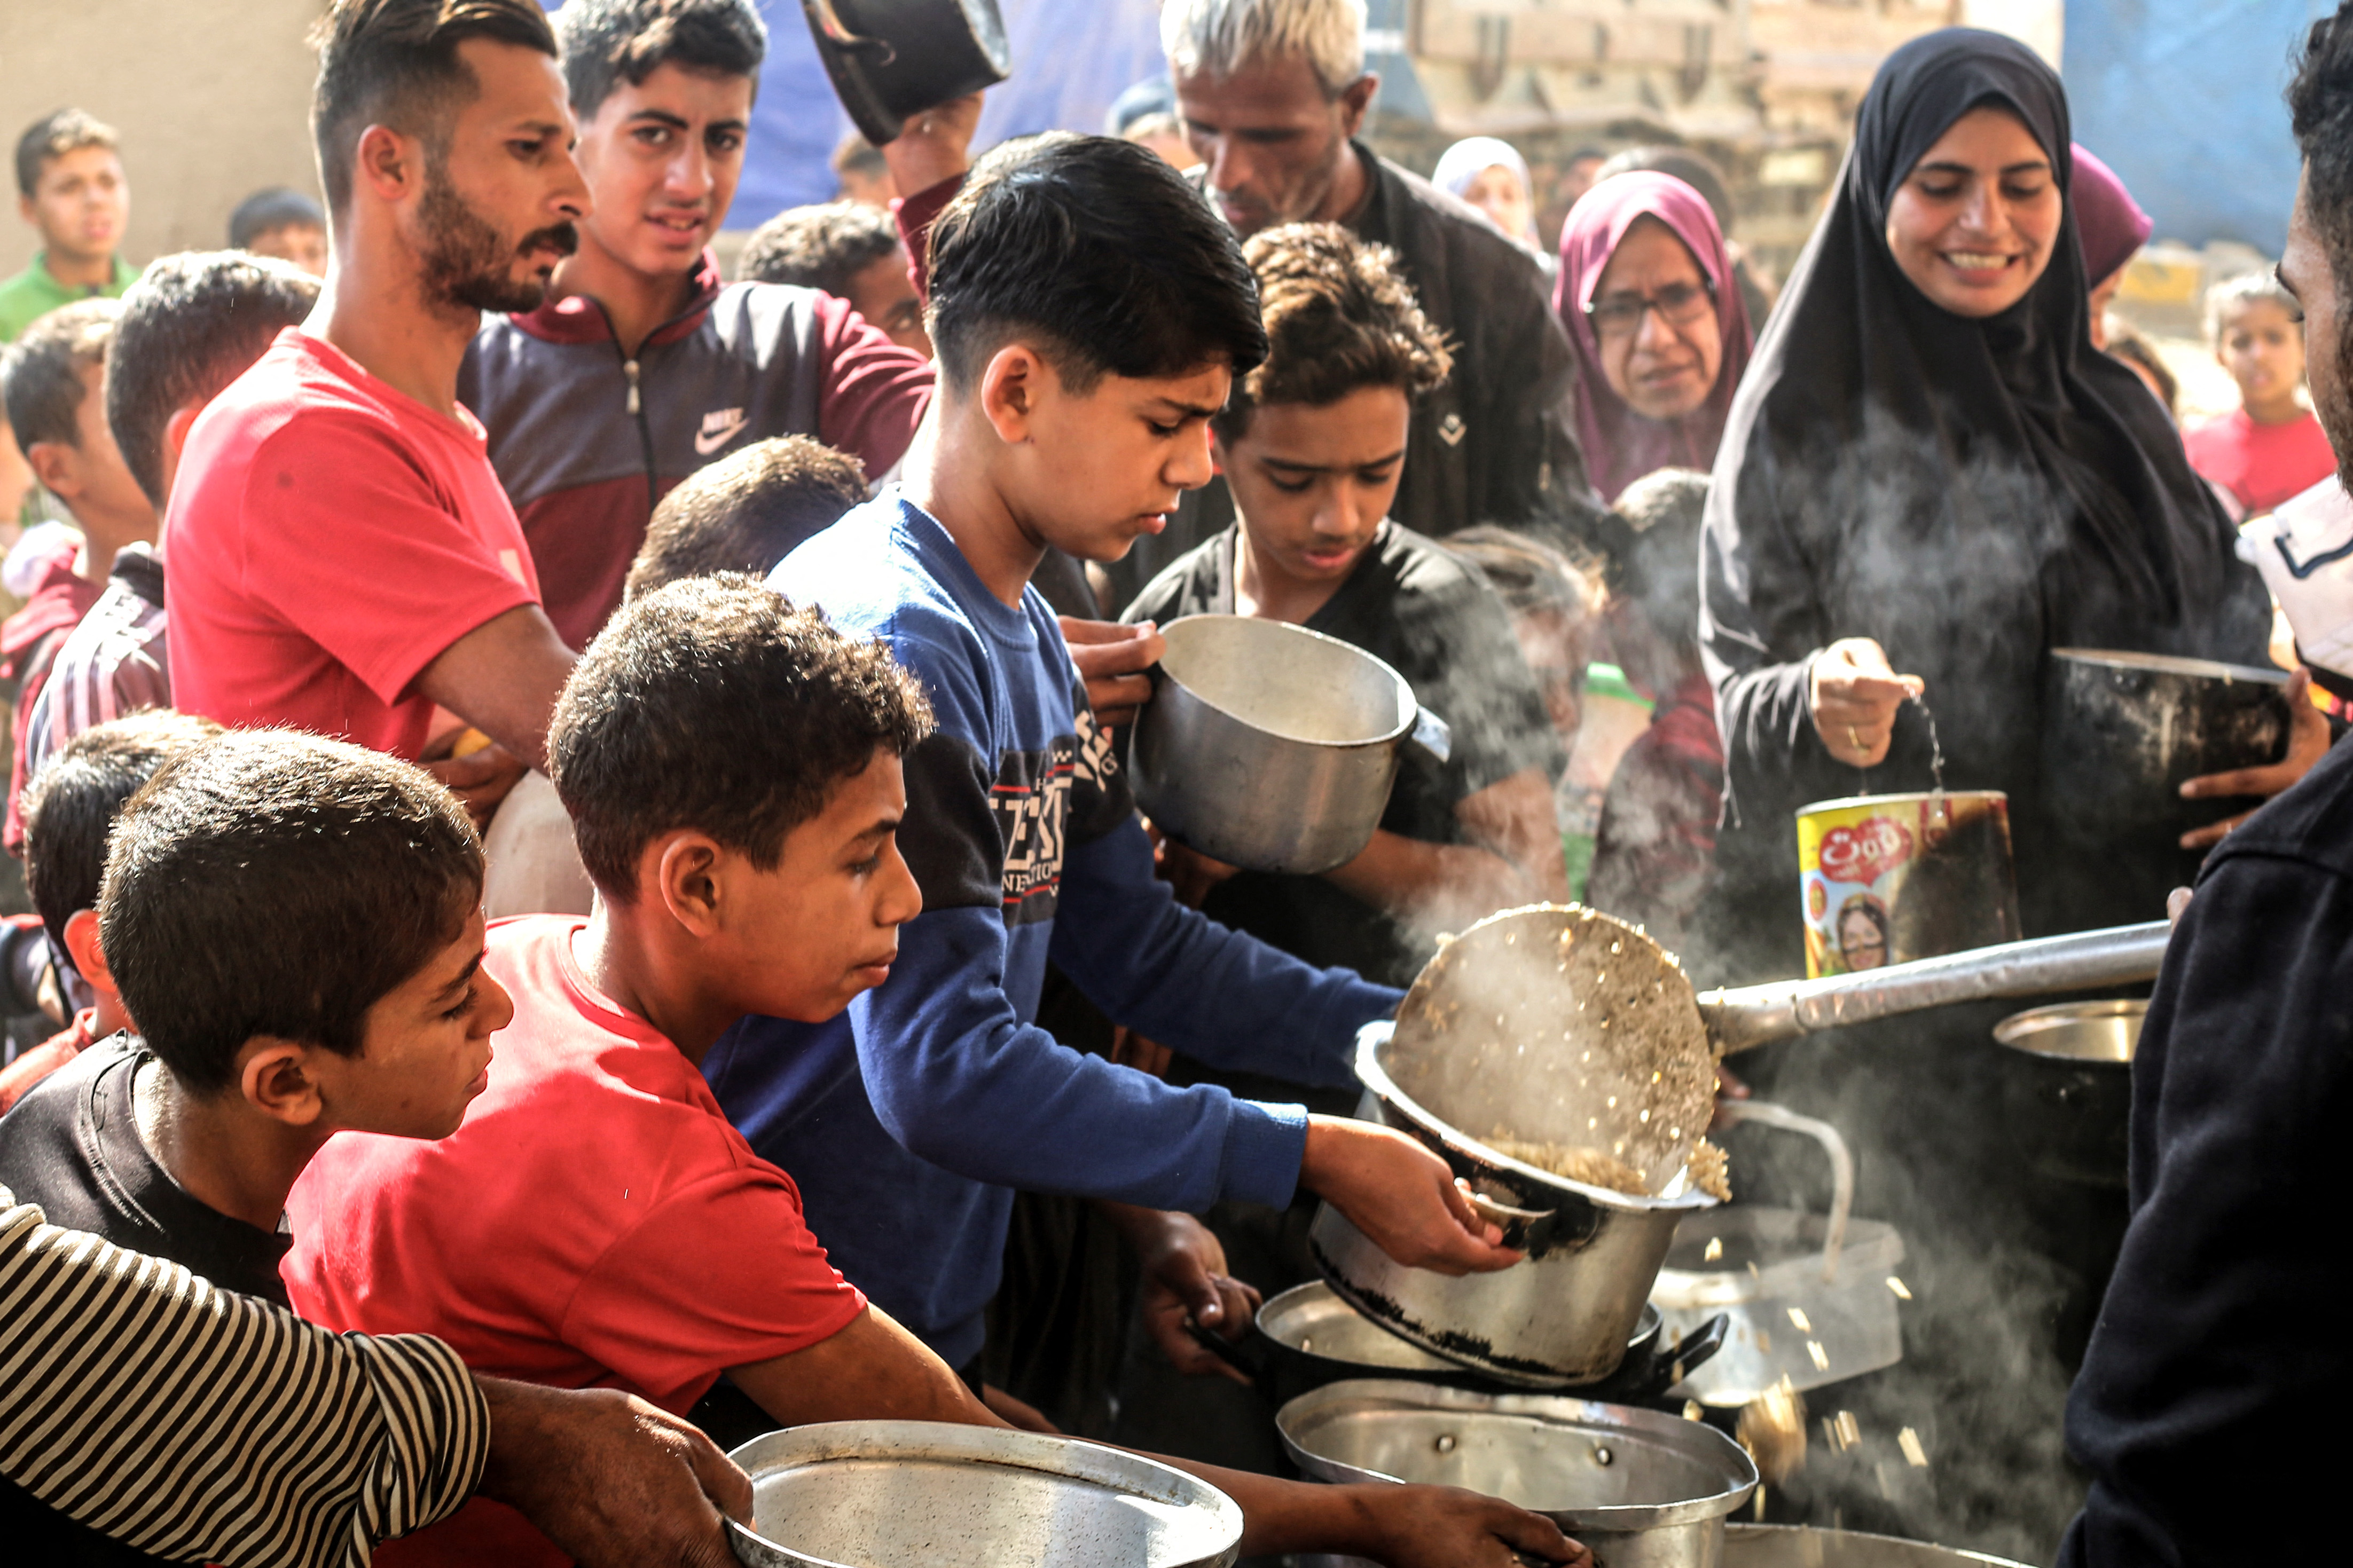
(1184, 1278)
(1447, 1527)
(2308, 742)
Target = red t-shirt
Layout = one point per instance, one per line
(328, 538)
(2261, 465)
(594, 1223)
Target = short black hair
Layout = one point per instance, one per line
(72, 804)
(1100, 254)
(273, 882)
(713, 704)
(267, 211)
(821, 247)
(395, 63)
(54, 135)
(193, 323)
(40, 373)
(2320, 113)
(606, 42)
(746, 513)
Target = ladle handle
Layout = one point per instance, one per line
(2081, 960)
(1841, 1166)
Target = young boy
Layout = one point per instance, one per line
(642, 366)
(193, 323)
(53, 380)
(1313, 445)
(69, 809)
(293, 922)
(69, 188)
(1090, 312)
(850, 250)
(284, 225)
(748, 511)
(2270, 447)
(737, 869)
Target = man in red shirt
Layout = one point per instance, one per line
(343, 558)
(595, 1221)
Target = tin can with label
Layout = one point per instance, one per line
(1885, 879)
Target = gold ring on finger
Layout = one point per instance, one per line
(1855, 740)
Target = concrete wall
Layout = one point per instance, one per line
(212, 97)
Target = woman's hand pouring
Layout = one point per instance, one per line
(1853, 694)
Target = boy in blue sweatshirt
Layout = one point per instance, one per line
(1090, 312)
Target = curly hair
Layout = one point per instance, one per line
(1339, 316)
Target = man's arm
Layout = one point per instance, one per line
(875, 1370)
(502, 678)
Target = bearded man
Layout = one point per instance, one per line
(343, 559)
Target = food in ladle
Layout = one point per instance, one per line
(1711, 1171)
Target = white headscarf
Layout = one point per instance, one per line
(1473, 156)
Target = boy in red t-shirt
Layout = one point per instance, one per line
(2271, 447)
(733, 769)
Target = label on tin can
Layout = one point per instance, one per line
(1888, 879)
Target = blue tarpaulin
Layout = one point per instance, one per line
(2182, 98)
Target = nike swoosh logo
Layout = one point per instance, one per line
(707, 441)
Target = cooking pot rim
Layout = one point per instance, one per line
(1372, 1036)
(2169, 664)
(1404, 727)
(1694, 1439)
(2018, 1031)
(1649, 1325)
(1904, 797)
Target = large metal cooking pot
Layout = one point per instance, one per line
(1642, 1490)
(1805, 1546)
(914, 1494)
(1308, 1336)
(1271, 747)
(2067, 1086)
(1561, 1318)
(892, 58)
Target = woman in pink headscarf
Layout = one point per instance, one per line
(1647, 294)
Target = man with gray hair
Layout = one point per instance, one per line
(1272, 94)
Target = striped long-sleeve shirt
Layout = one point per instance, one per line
(113, 663)
(196, 1424)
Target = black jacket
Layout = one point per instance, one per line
(1497, 443)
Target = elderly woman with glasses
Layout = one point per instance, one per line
(1656, 320)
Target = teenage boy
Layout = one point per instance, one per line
(343, 558)
(329, 892)
(284, 225)
(850, 250)
(1090, 313)
(641, 366)
(69, 188)
(737, 870)
(69, 809)
(1313, 445)
(748, 511)
(54, 379)
(193, 323)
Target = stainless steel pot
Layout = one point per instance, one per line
(914, 1494)
(892, 58)
(1804, 1546)
(1642, 1490)
(1271, 747)
(1561, 1318)
(2067, 1086)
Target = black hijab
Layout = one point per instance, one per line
(1969, 491)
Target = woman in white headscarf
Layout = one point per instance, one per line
(1491, 176)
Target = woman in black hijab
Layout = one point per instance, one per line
(1929, 464)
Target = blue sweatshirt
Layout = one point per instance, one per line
(908, 1129)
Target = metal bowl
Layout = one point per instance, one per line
(1271, 747)
(1804, 1546)
(1642, 1490)
(914, 1494)
(2067, 1087)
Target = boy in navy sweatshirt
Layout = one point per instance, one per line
(1090, 312)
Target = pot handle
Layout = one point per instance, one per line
(1696, 1349)
(1431, 739)
(1230, 1352)
(837, 33)
(1525, 1230)
(1841, 1166)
